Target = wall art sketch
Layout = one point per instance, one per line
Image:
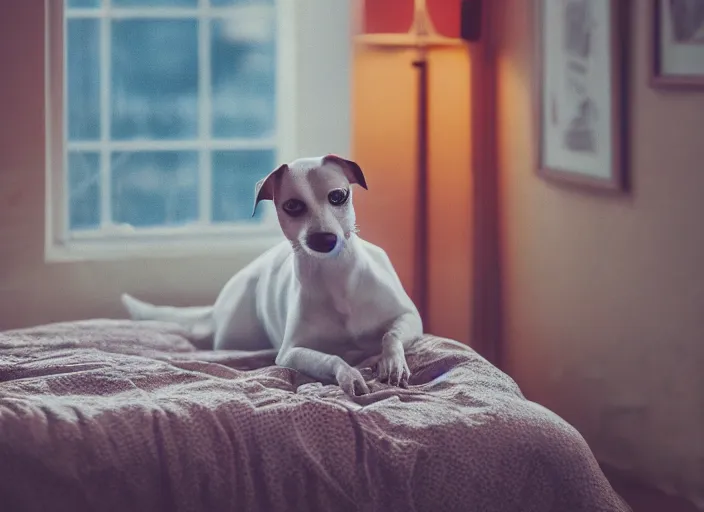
(678, 43)
(579, 92)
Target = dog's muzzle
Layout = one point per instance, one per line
(322, 242)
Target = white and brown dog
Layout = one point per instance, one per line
(316, 295)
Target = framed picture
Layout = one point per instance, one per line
(678, 43)
(579, 91)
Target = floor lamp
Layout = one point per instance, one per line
(422, 37)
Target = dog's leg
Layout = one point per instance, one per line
(323, 367)
(197, 320)
(392, 367)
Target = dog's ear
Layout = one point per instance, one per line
(264, 189)
(353, 172)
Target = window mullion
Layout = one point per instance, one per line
(204, 119)
(106, 114)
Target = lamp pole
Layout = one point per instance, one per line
(422, 211)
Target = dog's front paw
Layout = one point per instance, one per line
(392, 368)
(351, 381)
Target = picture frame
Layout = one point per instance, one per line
(677, 35)
(580, 93)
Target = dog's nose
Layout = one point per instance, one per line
(322, 242)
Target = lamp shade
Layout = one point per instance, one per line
(386, 16)
(397, 16)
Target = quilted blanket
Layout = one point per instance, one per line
(124, 416)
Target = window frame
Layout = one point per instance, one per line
(126, 242)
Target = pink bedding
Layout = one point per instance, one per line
(123, 416)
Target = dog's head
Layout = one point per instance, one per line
(313, 200)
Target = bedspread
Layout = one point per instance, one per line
(129, 416)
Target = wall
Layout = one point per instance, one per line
(33, 292)
(604, 296)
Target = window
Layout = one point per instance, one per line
(164, 114)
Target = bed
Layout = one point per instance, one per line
(129, 416)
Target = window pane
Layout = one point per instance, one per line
(154, 79)
(244, 73)
(84, 3)
(83, 79)
(83, 190)
(154, 3)
(234, 175)
(154, 188)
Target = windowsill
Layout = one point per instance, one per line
(171, 247)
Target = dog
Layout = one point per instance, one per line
(324, 297)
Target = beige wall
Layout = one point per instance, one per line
(33, 292)
(604, 296)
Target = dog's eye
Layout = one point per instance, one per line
(294, 207)
(338, 196)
